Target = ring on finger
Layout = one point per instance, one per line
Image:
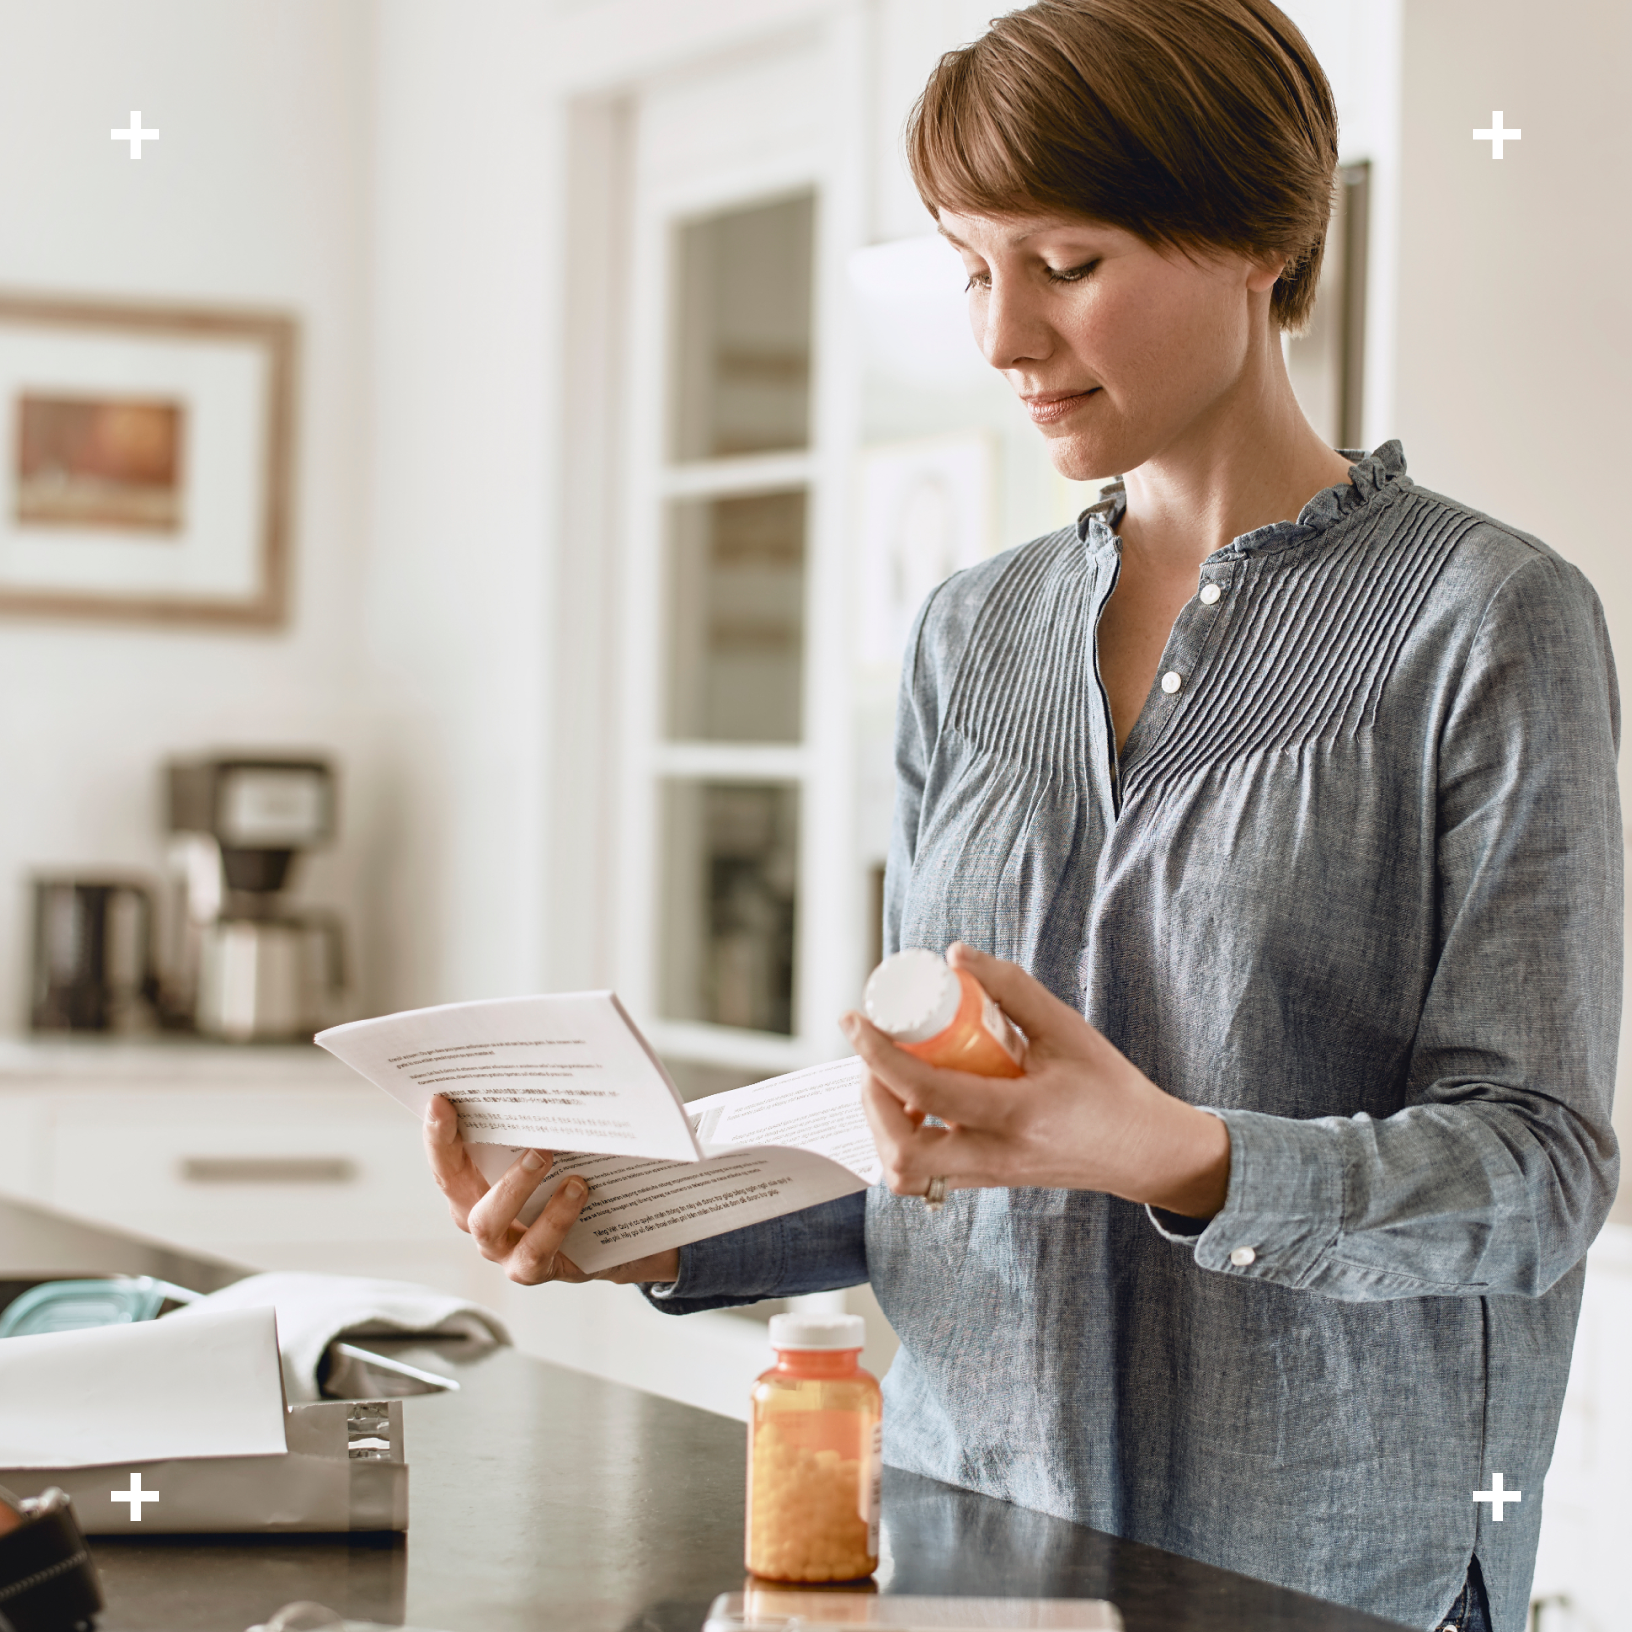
(935, 1195)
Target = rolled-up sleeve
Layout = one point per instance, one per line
(819, 1249)
(1501, 1167)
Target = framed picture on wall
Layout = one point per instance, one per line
(144, 461)
(926, 511)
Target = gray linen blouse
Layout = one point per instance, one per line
(1354, 883)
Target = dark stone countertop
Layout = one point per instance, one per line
(546, 1499)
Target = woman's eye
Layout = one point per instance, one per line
(978, 280)
(1070, 274)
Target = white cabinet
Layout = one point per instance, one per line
(23, 1146)
(278, 1158)
(222, 1168)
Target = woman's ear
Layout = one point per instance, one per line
(1264, 274)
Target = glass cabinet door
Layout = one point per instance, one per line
(741, 343)
(734, 615)
(736, 607)
(731, 866)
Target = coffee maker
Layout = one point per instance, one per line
(242, 965)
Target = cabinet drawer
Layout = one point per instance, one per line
(25, 1140)
(210, 1170)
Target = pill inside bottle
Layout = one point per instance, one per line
(814, 1455)
(943, 1015)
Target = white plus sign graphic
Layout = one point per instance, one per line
(135, 1496)
(1496, 135)
(135, 135)
(1496, 1496)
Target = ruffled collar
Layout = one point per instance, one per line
(1369, 475)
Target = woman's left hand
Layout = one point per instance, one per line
(1083, 1117)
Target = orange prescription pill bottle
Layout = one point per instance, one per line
(942, 1015)
(814, 1452)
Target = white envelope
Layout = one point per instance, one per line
(158, 1390)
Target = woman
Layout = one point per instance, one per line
(1279, 799)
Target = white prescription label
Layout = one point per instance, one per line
(872, 1489)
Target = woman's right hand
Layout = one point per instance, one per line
(530, 1254)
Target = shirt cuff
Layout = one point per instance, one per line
(817, 1249)
(1284, 1208)
(722, 1270)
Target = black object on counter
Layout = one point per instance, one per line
(47, 1580)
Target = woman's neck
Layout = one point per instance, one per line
(1249, 460)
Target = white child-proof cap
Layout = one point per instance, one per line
(912, 995)
(817, 1331)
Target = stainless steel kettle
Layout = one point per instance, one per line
(93, 955)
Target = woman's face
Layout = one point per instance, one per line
(1121, 353)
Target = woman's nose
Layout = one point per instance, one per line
(1008, 328)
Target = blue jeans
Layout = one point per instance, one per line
(1471, 1611)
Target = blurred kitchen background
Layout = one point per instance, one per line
(602, 408)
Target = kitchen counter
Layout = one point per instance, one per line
(545, 1498)
(169, 1058)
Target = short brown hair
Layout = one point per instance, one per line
(1195, 124)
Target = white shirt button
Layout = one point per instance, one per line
(1210, 593)
(1242, 1256)
(1171, 681)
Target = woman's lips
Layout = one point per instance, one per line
(1047, 410)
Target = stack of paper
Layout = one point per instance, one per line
(571, 1073)
(160, 1389)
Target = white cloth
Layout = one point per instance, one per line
(314, 1310)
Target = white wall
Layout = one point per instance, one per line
(1515, 332)
(465, 191)
(255, 194)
